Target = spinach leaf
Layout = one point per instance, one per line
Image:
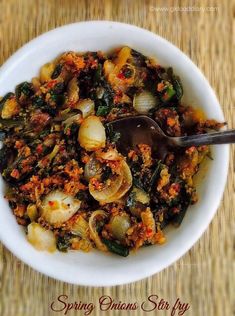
(5, 98)
(58, 88)
(176, 82)
(57, 71)
(2, 135)
(131, 200)
(5, 154)
(177, 87)
(103, 101)
(106, 173)
(155, 174)
(82, 195)
(58, 98)
(38, 101)
(102, 110)
(112, 136)
(63, 243)
(24, 90)
(114, 247)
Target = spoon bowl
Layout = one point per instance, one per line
(140, 129)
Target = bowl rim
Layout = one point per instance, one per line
(45, 36)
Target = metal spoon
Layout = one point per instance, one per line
(135, 130)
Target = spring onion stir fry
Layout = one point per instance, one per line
(66, 182)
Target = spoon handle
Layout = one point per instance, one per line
(225, 137)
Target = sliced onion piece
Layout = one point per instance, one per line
(92, 168)
(73, 90)
(76, 118)
(80, 227)
(41, 238)
(141, 196)
(91, 135)
(93, 231)
(144, 102)
(141, 200)
(125, 185)
(46, 72)
(122, 58)
(111, 154)
(108, 191)
(131, 69)
(108, 67)
(58, 207)
(87, 107)
(119, 225)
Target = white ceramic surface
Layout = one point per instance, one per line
(96, 268)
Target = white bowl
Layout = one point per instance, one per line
(97, 268)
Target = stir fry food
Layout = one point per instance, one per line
(67, 184)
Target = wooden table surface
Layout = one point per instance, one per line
(205, 276)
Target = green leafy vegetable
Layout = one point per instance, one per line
(116, 248)
(155, 174)
(178, 218)
(106, 173)
(23, 91)
(127, 72)
(38, 101)
(63, 242)
(112, 135)
(131, 200)
(104, 101)
(58, 88)
(5, 154)
(168, 93)
(177, 87)
(82, 195)
(58, 98)
(9, 123)
(2, 135)
(5, 98)
(57, 71)
(102, 110)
